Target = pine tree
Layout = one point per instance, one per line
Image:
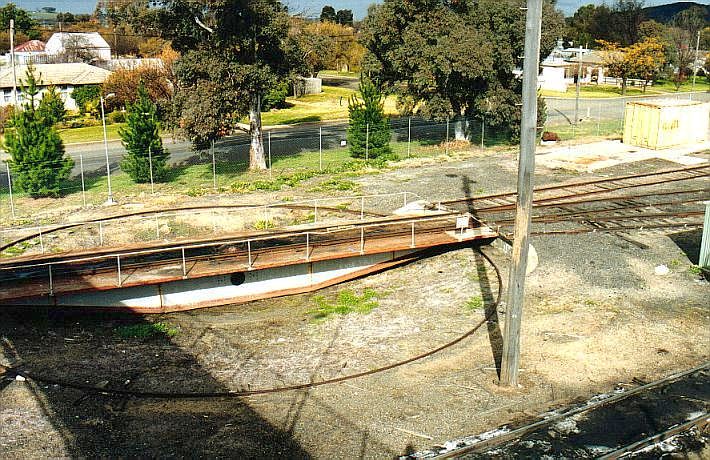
(142, 141)
(368, 129)
(51, 106)
(38, 163)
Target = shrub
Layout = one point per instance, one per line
(550, 136)
(117, 117)
(276, 98)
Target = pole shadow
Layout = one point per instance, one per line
(495, 336)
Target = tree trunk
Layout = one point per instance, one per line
(461, 129)
(257, 159)
(623, 86)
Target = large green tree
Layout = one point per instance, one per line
(23, 22)
(145, 156)
(233, 52)
(37, 160)
(449, 60)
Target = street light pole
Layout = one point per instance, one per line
(110, 199)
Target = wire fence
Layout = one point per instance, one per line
(318, 154)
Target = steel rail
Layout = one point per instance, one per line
(700, 422)
(599, 200)
(577, 213)
(301, 205)
(122, 392)
(280, 249)
(595, 182)
(12, 264)
(522, 431)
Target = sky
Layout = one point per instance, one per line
(309, 7)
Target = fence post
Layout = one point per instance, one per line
(9, 186)
(83, 187)
(447, 136)
(101, 233)
(483, 130)
(367, 142)
(704, 259)
(214, 168)
(320, 148)
(270, 172)
(409, 138)
(150, 166)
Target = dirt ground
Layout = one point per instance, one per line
(596, 314)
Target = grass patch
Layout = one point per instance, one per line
(335, 184)
(145, 330)
(336, 73)
(591, 128)
(90, 133)
(346, 302)
(611, 91)
(474, 303)
(331, 104)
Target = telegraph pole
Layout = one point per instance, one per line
(695, 64)
(12, 59)
(526, 170)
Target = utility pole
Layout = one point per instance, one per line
(695, 64)
(526, 170)
(579, 84)
(12, 59)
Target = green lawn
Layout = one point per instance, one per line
(335, 73)
(90, 134)
(610, 91)
(586, 129)
(331, 104)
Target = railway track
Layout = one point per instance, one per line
(560, 193)
(580, 207)
(608, 426)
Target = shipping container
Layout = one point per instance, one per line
(666, 123)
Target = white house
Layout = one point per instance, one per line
(65, 77)
(30, 52)
(78, 47)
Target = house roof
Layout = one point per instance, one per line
(92, 40)
(30, 46)
(594, 57)
(57, 74)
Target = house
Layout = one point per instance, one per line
(77, 47)
(65, 77)
(560, 68)
(31, 52)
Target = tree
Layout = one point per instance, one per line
(124, 83)
(23, 22)
(328, 14)
(37, 160)
(51, 106)
(232, 53)
(682, 54)
(453, 60)
(86, 97)
(344, 17)
(141, 139)
(368, 129)
(327, 45)
(641, 60)
(647, 59)
(626, 17)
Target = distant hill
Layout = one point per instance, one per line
(664, 13)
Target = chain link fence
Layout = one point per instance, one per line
(318, 154)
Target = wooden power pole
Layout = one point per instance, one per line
(526, 171)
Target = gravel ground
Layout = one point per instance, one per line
(596, 314)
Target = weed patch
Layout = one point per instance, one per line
(474, 303)
(346, 302)
(145, 330)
